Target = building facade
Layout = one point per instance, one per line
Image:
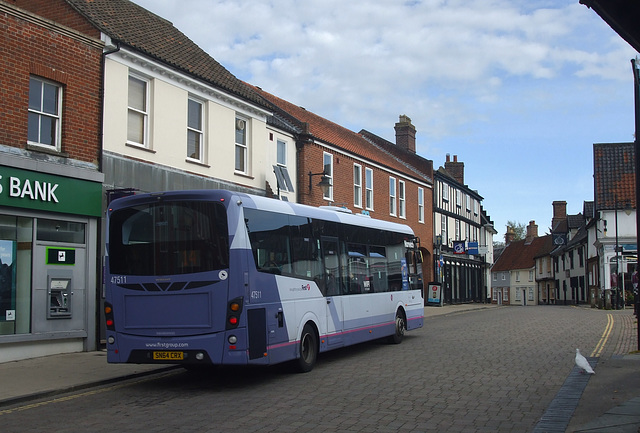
(463, 237)
(614, 225)
(518, 265)
(362, 172)
(50, 186)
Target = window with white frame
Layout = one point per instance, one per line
(392, 196)
(242, 148)
(195, 131)
(517, 275)
(138, 111)
(468, 203)
(402, 206)
(457, 230)
(357, 185)
(443, 229)
(531, 294)
(368, 185)
(281, 152)
(420, 204)
(476, 206)
(495, 276)
(531, 275)
(458, 198)
(445, 192)
(504, 277)
(327, 159)
(45, 113)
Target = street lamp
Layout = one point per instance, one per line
(325, 182)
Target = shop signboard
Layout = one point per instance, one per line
(48, 192)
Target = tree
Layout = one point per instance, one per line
(519, 229)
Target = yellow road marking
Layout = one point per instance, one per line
(605, 337)
(74, 396)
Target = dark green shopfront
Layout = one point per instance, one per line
(49, 235)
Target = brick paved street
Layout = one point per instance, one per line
(490, 370)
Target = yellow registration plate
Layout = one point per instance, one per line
(168, 356)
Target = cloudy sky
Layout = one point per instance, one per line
(519, 90)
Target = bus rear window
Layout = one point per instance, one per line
(168, 238)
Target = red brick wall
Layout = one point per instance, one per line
(31, 49)
(60, 12)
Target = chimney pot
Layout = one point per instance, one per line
(455, 169)
(406, 134)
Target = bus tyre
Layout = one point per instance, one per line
(308, 349)
(401, 326)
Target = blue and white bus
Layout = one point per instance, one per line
(220, 277)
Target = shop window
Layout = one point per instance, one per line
(15, 274)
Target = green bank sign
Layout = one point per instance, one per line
(47, 192)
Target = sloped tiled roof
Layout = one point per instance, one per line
(614, 175)
(441, 171)
(331, 133)
(588, 210)
(132, 25)
(575, 221)
(519, 255)
(422, 164)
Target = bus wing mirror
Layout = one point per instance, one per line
(419, 257)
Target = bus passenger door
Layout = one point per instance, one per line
(331, 261)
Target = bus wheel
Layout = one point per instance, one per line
(401, 325)
(308, 349)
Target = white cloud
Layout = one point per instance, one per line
(477, 77)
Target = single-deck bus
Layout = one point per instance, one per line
(220, 277)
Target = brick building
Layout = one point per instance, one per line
(50, 184)
(363, 172)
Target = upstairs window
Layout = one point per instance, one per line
(401, 200)
(368, 179)
(242, 151)
(357, 185)
(45, 100)
(420, 204)
(392, 196)
(281, 152)
(137, 112)
(327, 161)
(195, 132)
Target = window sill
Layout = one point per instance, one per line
(46, 149)
(196, 162)
(137, 146)
(237, 173)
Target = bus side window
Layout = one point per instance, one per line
(330, 254)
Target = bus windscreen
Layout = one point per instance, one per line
(169, 238)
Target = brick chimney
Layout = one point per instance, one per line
(509, 235)
(532, 232)
(455, 168)
(559, 213)
(406, 134)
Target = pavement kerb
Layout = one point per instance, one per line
(85, 385)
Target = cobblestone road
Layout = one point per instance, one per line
(490, 370)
